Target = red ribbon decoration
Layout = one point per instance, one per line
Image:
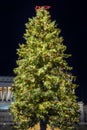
(46, 7)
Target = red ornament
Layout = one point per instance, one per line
(45, 6)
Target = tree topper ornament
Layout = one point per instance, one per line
(45, 6)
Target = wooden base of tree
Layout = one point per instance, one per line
(43, 125)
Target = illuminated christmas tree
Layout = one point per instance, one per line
(44, 88)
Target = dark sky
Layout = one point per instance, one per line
(71, 17)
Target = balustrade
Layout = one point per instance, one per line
(5, 94)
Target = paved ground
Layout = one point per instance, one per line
(6, 128)
(82, 127)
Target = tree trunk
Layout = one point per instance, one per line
(43, 125)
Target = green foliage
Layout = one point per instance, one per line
(44, 88)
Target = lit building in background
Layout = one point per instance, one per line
(83, 113)
(6, 96)
(6, 99)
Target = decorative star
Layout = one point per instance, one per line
(45, 6)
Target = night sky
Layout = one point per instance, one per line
(71, 17)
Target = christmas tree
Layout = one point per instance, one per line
(44, 88)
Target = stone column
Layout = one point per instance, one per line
(81, 105)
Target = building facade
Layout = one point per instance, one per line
(6, 99)
(83, 112)
(5, 88)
